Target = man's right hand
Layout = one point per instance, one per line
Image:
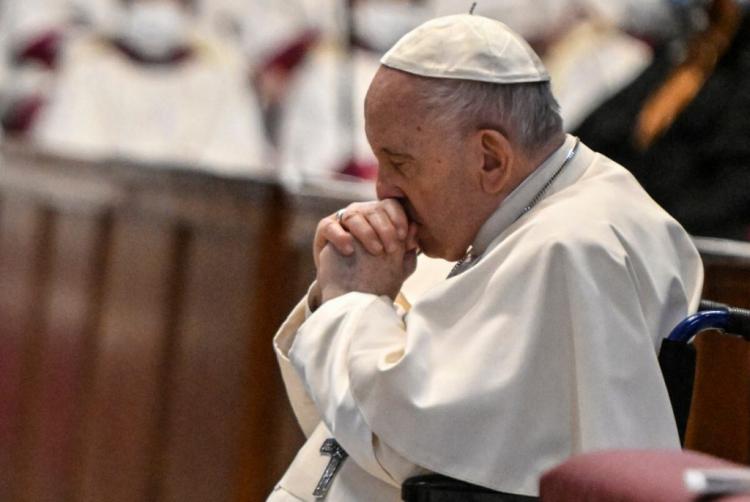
(378, 225)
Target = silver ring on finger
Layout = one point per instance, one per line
(340, 215)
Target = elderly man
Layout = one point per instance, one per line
(540, 344)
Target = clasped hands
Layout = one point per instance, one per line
(371, 249)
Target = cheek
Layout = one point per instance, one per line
(435, 216)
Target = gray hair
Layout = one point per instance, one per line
(526, 112)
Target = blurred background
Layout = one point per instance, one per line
(162, 167)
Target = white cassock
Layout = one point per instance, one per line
(544, 347)
(268, 26)
(322, 124)
(322, 121)
(199, 112)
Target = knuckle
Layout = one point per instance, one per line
(355, 207)
(326, 222)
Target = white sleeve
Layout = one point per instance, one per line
(238, 142)
(321, 351)
(310, 142)
(304, 408)
(73, 123)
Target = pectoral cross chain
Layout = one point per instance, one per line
(338, 455)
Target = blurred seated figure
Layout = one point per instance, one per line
(273, 35)
(276, 38)
(321, 131)
(591, 48)
(32, 30)
(31, 36)
(681, 127)
(155, 89)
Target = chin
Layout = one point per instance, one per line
(453, 256)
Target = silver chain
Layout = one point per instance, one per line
(540, 193)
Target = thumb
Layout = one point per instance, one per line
(410, 262)
(411, 238)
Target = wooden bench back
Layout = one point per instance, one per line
(727, 266)
(136, 313)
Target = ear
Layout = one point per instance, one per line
(497, 161)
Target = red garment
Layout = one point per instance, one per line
(20, 116)
(43, 48)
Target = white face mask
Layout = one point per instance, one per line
(381, 23)
(154, 29)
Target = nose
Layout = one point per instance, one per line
(386, 188)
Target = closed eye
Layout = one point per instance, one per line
(399, 161)
(403, 167)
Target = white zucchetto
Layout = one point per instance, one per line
(467, 47)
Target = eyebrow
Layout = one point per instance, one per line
(396, 154)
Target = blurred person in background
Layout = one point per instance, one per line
(32, 35)
(588, 46)
(273, 36)
(155, 87)
(321, 130)
(276, 38)
(29, 40)
(681, 127)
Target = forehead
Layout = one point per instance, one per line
(392, 107)
(392, 89)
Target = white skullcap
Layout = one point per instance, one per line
(467, 47)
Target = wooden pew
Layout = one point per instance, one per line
(137, 307)
(727, 267)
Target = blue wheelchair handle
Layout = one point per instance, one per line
(691, 326)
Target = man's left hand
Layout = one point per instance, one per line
(361, 271)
